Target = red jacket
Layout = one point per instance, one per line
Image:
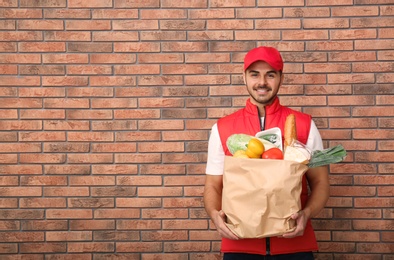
(247, 121)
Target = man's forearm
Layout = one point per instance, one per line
(320, 191)
(212, 200)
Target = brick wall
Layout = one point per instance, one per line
(106, 107)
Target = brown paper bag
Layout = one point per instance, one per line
(260, 195)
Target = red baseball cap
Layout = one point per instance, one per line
(264, 53)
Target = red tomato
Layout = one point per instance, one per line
(273, 153)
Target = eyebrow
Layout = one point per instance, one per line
(270, 71)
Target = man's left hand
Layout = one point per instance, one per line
(301, 219)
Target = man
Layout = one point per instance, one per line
(263, 77)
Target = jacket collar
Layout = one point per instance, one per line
(269, 109)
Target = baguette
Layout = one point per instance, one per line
(290, 130)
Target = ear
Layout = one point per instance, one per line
(282, 77)
(244, 77)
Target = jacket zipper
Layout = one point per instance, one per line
(262, 126)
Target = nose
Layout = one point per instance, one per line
(263, 81)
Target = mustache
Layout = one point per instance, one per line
(263, 87)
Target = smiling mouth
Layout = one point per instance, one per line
(262, 90)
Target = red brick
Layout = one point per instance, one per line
(281, 3)
(86, 114)
(139, 247)
(373, 203)
(164, 213)
(20, 36)
(43, 248)
(186, 246)
(115, 14)
(116, 213)
(368, 134)
(135, 25)
(44, 225)
(66, 147)
(44, 47)
(87, 224)
(69, 214)
(357, 213)
(90, 158)
(67, 36)
(372, 44)
(68, 236)
(355, 11)
(9, 225)
(90, 137)
(44, 114)
(116, 235)
(89, 3)
(43, 3)
(8, 69)
(137, 4)
(114, 169)
(135, 70)
(41, 92)
(66, 169)
(352, 56)
(138, 224)
(21, 169)
(114, 191)
(20, 125)
(69, 191)
(114, 103)
(125, 256)
(358, 168)
(375, 247)
(9, 181)
(42, 136)
(354, 122)
(117, 148)
(91, 180)
(20, 81)
(42, 203)
(89, 47)
(353, 191)
(66, 125)
(43, 180)
(42, 70)
(94, 25)
(8, 203)
(8, 47)
(333, 3)
(66, 13)
(40, 25)
(138, 202)
(182, 25)
(42, 158)
(15, 214)
(64, 58)
(112, 81)
(337, 247)
(305, 35)
(9, 3)
(90, 92)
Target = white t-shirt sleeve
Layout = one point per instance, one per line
(216, 154)
(314, 139)
(215, 161)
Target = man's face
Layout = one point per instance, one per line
(262, 82)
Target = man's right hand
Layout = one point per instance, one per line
(219, 219)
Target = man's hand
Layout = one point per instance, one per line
(301, 219)
(219, 219)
